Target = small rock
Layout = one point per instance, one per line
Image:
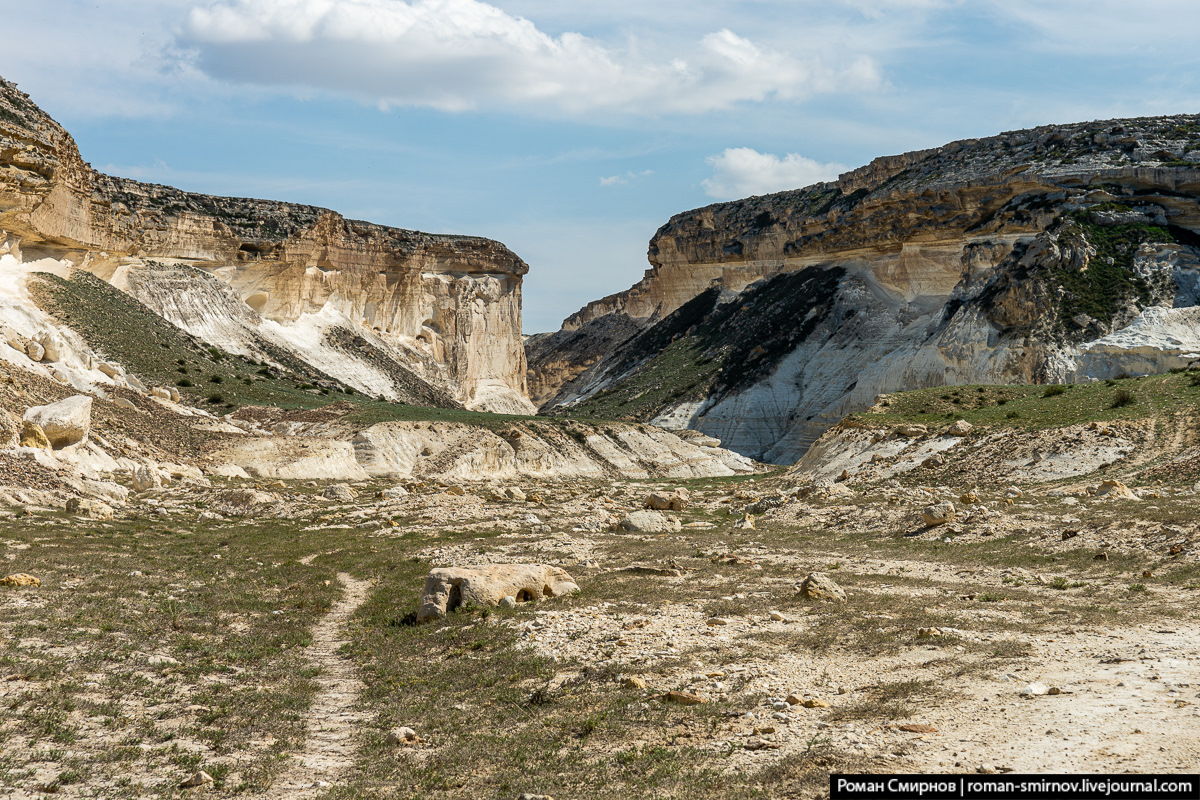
(716, 621)
(960, 428)
(754, 743)
(35, 351)
(634, 682)
(1035, 690)
(777, 617)
(916, 727)
(20, 579)
(819, 586)
(968, 498)
(529, 796)
(934, 460)
(649, 522)
(201, 778)
(746, 523)
(794, 699)
(1100, 557)
(394, 493)
(675, 501)
(340, 492)
(939, 514)
(814, 702)
(402, 736)
(513, 493)
(683, 698)
(1115, 490)
(508, 601)
(923, 633)
(145, 478)
(455, 491)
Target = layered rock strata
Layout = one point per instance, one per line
(447, 306)
(1062, 253)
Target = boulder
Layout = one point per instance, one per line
(960, 428)
(32, 435)
(161, 393)
(229, 471)
(176, 397)
(649, 522)
(66, 422)
(447, 588)
(939, 514)
(124, 402)
(35, 351)
(110, 370)
(394, 493)
(135, 384)
(514, 493)
(819, 586)
(746, 523)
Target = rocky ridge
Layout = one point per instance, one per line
(1061, 253)
(446, 306)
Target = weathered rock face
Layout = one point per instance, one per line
(449, 303)
(1062, 253)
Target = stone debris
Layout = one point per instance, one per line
(447, 588)
(674, 501)
(340, 492)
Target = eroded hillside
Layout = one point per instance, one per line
(1061, 253)
(256, 276)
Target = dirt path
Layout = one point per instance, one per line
(332, 723)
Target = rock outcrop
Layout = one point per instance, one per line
(447, 588)
(1062, 253)
(447, 306)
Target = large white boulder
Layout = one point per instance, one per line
(447, 588)
(66, 422)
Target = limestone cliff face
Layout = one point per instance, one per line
(449, 304)
(1016, 258)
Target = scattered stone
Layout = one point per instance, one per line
(161, 393)
(716, 622)
(447, 588)
(402, 736)
(814, 702)
(939, 514)
(775, 616)
(158, 660)
(819, 586)
(1069, 535)
(201, 778)
(649, 522)
(124, 402)
(746, 523)
(508, 601)
(969, 498)
(934, 460)
(960, 428)
(394, 493)
(916, 727)
(514, 493)
(1035, 690)
(110, 370)
(20, 579)
(455, 491)
(35, 351)
(924, 633)
(66, 422)
(754, 743)
(529, 796)
(845, 476)
(634, 682)
(32, 435)
(794, 699)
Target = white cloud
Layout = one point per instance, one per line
(462, 54)
(743, 171)
(616, 180)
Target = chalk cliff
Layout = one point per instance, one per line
(252, 274)
(1061, 253)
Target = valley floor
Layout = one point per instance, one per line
(272, 646)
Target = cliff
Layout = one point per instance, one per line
(445, 307)
(1061, 253)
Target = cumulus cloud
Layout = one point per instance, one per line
(462, 54)
(743, 171)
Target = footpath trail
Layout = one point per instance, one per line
(332, 722)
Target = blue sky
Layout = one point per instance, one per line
(571, 131)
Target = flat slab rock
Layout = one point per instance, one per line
(447, 588)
